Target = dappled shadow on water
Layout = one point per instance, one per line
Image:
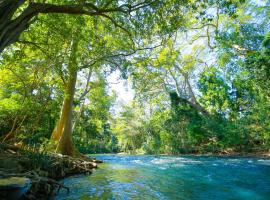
(169, 177)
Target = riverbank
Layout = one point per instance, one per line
(220, 154)
(227, 154)
(43, 169)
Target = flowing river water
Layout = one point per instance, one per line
(173, 177)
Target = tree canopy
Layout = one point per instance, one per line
(199, 71)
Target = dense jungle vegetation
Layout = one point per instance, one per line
(199, 71)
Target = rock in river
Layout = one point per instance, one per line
(13, 188)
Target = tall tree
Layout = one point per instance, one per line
(63, 130)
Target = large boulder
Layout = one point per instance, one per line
(13, 188)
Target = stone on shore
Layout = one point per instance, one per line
(12, 188)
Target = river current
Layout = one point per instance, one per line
(172, 177)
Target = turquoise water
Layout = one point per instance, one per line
(173, 177)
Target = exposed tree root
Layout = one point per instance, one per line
(42, 169)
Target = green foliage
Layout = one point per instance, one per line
(200, 71)
(41, 161)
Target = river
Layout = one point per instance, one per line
(172, 177)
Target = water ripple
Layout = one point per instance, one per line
(171, 177)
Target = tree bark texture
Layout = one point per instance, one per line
(62, 133)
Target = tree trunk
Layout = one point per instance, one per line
(63, 130)
(62, 133)
(193, 102)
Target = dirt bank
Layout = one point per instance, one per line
(43, 169)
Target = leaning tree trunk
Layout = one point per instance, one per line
(62, 133)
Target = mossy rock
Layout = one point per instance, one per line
(14, 187)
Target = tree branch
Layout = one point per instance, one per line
(11, 28)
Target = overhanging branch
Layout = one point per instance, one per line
(11, 28)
